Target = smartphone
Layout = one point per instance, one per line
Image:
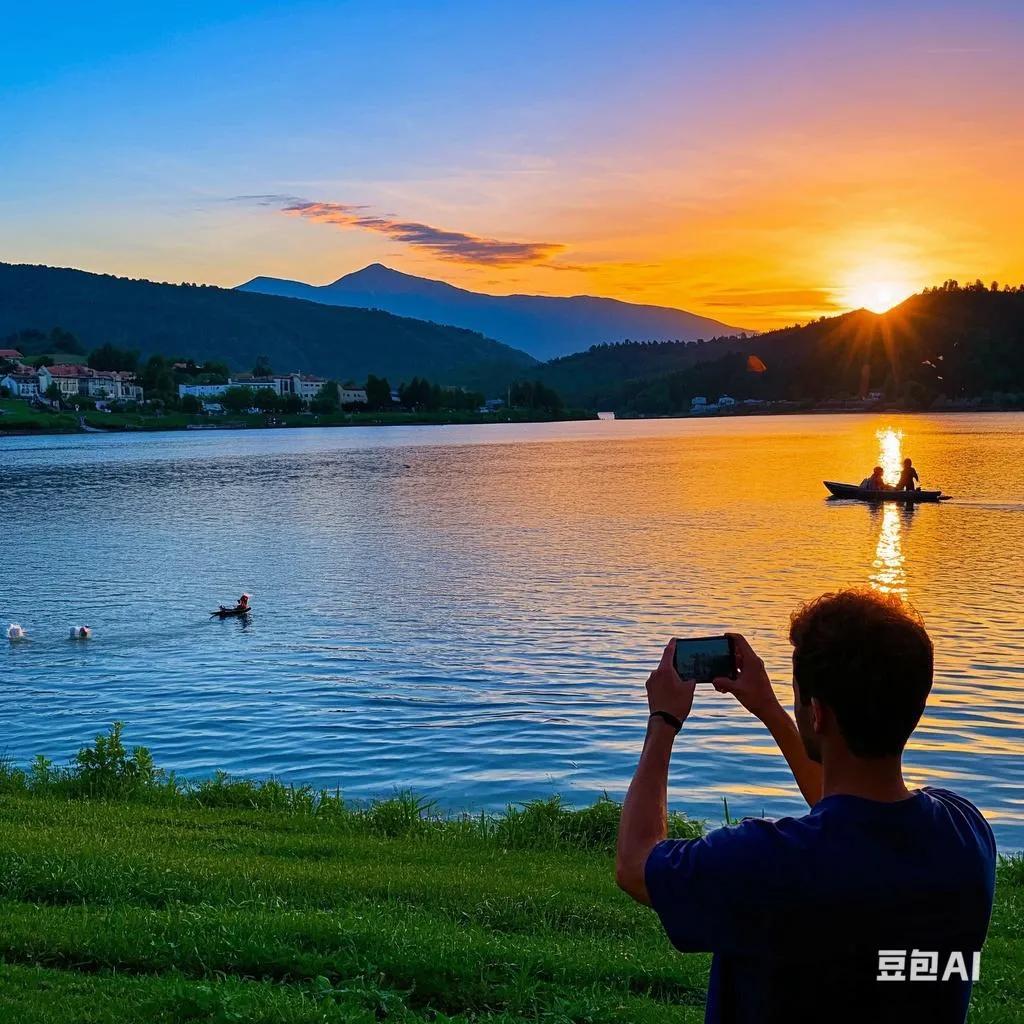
(704, 658)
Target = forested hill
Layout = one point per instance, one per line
(598, 377)
(945, 343)
(202, 322)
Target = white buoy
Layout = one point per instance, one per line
(15, 633)
(80, 632)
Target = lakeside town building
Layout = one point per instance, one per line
(71, 379)
(21, 383)
(302, 385)
(700, 404)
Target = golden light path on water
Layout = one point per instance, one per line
(889, 575)
(890, 453)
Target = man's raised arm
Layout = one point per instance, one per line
(644, 821)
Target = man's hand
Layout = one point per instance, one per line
(753, 690)
(665, 690)
(751, 687)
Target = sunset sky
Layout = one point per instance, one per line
(759, 163)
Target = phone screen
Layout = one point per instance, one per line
(705, 657)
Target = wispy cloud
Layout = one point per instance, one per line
(456, 246)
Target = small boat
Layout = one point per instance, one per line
(863, 494)
(231, 613)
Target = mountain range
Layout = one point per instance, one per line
(950, 344)
(204, 322)
(544, 326)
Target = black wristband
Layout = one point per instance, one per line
(676, 723)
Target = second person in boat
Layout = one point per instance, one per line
(908, 477)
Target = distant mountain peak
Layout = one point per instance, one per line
(371, 271)
(377, 276)
(546, 326)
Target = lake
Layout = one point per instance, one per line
(472, 612)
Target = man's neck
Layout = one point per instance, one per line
(876, 778)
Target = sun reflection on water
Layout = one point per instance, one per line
(890, 453)
(889, 575)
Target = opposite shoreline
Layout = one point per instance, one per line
(121, 423)
(18, 423)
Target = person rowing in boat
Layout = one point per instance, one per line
(875, 481)
(907, 477)
(242, 608)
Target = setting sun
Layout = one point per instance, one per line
(878, 295)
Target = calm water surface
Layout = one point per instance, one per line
(472, 611)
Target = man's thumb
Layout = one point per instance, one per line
(668, 656)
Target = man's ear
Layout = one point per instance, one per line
(819, 716)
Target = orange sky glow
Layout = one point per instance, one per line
(847, 196)
(762, 170)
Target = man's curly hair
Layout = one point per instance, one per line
(866, 656)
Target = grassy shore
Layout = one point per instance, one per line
(18, 417)
(127, 896)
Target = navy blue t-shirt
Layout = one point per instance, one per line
(798, 912)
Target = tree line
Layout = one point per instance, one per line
(159, 376)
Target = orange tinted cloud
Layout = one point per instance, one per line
(453, 246)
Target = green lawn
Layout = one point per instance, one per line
(17, 416)
(120, 912)
(116, 911)
(233, 901)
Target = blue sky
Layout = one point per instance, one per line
(631, 138)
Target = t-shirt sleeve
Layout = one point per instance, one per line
(970, 824)
(729, 891)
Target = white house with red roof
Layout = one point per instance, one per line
(72, 379)
(64, 375)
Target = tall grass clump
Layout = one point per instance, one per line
(105, 770)
(550, 823)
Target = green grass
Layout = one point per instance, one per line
(17, 416)
(232, 901)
